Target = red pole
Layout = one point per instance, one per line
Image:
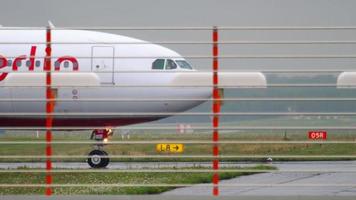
(216, 110)
(49, 111)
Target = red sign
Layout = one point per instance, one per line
(317, 135)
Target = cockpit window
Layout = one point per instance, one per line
(170, 64)
(158, 64)
(183, 64)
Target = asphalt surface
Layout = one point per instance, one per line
(277, 183)
(306, 175)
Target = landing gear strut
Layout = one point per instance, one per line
(98, 158)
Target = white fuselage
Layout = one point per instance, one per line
(98, 68)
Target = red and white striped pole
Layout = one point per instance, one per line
(49, 111)
(216, 111)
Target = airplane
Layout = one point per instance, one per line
(88, 69)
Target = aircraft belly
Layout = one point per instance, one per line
(73, 122)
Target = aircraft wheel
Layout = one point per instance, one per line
(97, 159)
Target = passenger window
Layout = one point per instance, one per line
(158, 64)
(9, 63)
(28, 63)
(19, 63)
(66, 64)
(38, 63)
(171, 64)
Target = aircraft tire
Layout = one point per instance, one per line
(97, 159)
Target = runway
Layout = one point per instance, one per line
(307, 175)
(307, 181)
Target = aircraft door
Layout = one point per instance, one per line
(103, 63)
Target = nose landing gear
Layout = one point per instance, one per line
(98, 158)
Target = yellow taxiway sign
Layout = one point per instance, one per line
(170, 148)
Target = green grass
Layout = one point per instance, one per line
(112, 178)
(190, 149)
(195, 149)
